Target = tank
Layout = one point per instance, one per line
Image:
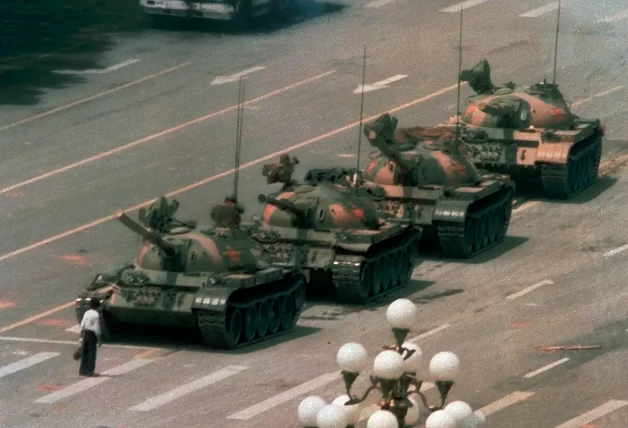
(530, 132)
(345, 243)
(429, 177)
(213, 279)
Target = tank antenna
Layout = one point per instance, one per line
(240, 118)
(361, 108)
(556, 43)
(459, 71)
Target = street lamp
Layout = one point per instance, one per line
(395, 377)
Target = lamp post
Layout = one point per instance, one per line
(395, 377)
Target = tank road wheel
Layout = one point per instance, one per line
(379, 277)
(287, 312)
(263, 319)
(109, 326)
(274, 320)
(234, 327)
(395, 269)
(389, 277)
(405, 267)
(494, 224)
(250, 323)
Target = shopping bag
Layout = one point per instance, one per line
(79, 351)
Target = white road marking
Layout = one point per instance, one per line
(464, 5)
(614, 18)
(234, 77)
(598, 95)
(529, 289)
(508, 400)
(26, 363)
(546, 368)
(379, 3)
(91, 382)
(76, 329)
(285, 396)
(616, 251)
(594, 414)
(525, 206)
(99, 71)
(535, 13)
(167, 397)
(69, 342)
(428, 333)
(367, 411)
(379, 85)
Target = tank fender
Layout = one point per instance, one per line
(212, 298)
(553, 152)
(362, 247)
(319, 258)
(454, 211)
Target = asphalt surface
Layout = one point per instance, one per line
(60, 180)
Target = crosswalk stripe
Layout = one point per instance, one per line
(594, 414)
(546, 368)
(463, 5)
(285, 396)
(26, 363)
(182, 390)
(92, 381)
(508, 400)
(535, 13)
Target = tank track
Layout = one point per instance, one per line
(385, 271)
(563, 181)
(213, 324)
(488, 218)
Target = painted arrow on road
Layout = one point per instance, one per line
(234, 77)
(100, 70)
(379, 85)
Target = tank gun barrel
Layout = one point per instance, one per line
(282, 204)
(378, 141)
(152, 237)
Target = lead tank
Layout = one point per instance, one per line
(429, 178)
(209, 278)
(344, 240)
(530, 132)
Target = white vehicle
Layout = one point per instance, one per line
(227, 10)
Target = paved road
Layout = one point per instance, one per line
(64, 170)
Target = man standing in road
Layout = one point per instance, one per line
(90, 332)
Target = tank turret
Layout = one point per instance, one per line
(345, 243)
(429, 177)
(529, 131)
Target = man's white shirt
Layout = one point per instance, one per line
(91, 321)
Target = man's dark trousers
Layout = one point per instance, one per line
(88, 359)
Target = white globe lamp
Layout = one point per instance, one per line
(412, 417)
(352, 412)
(444, 366)
(402, 314)
(388, 365)
(308, 410)
(382, 419)
(440, 419)
(412, 364)
(331, 416)
(352, 357)
(459, 411)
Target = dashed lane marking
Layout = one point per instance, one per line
(428, 333)
(36, 317)
(539, 11)
(379, 3)
(616, 251)
(463, 5)
(546, 368)
(70, 342)
(594, 414)
(167, 397)
(91, 382)
(100, 70)
(285, 396)
(598, 95)
(507, 401)
(529, 289)
(94, 97)
(162, 133)
(26, 363)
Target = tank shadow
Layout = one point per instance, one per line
(533, 191)
(177, 339)
(510, 243)
(308, 11)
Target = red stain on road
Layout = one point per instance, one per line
(48, 388)
(76, 260)
(6, 304)
(518, 325)
(61, 409)
(56, 323)
(588, 426)
(14, 194)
